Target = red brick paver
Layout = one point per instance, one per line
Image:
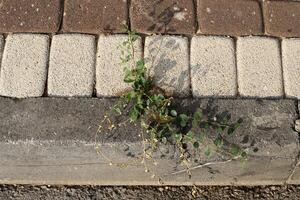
(282, 18)
(163, 16)
(30, 15)
(95, 16)
(230, 17)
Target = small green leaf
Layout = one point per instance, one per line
(183, 119)
(131, 95)
(220, 130)
(117, 110)
(196, 145)
(218, 142)
(189, 136)
(230, 130)
(134, 114)
(140, 65)
(198, 115)
(174, 113)
(244, 154)
(178, 137)
(207, 151)
(235, 150)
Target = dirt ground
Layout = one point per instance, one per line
(24, 192)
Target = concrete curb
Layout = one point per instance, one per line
(52, 141)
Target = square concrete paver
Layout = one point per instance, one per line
(163, 16)
(72, 65)
(24, 65)
(168, 60)
(95, 16)
(259, 67)
(230, 17)
(30, 15)
(213, 66)
(291, 66)
(109, 68)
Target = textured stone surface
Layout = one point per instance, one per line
(259, 67)
(230, 17)
(168, 60)
(297, 125)
(1, 47)
(95, 16)
(282, 18)
(52, 141)
(24, 65)
(30, 15)
(213, 67)
(163, 16)
(291, 67)
(109, 70)
(72, 65)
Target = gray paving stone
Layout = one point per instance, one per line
(213, 67)
(259, 67)
(24, 65)
(291, 67)
(52, 141)
(109, 70)
(72, 65)
(168, 60)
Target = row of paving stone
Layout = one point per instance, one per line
(73, 65)
(220, 17)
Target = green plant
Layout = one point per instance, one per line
(161, 122)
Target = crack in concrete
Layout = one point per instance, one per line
(297, 160)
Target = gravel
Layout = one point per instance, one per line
(26, 192)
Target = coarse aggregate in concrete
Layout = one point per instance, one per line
(291, 67)
(109, 67)
(259, 67)
(72, 65)
(24, 65)
(213, 66)
(167, 58)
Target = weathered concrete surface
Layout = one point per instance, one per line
(168, 16)
(291, 66)
(72, 65)
(109, 68)
(52, 141)
(259, 67)
(282, 18)
(230, 17)
(213, 66)
(167, 58)
(95, 16)
(24, 65)
(30, 16)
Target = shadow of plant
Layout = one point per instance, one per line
(164, 69)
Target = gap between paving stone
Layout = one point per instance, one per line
(52, 141)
